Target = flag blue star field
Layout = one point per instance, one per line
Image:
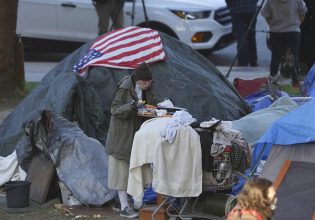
(123, 48)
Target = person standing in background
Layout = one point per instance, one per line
(307, 45)
(284, 18)
(242, 12)
(109, 9)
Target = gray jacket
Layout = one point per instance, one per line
(124, 121)
(284, 15)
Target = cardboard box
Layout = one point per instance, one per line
(146, 213)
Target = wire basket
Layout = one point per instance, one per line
(222, 175)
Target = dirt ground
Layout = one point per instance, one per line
(6, 106)
(52, 212)
(49, 213)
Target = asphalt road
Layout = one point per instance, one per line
(225, 56)
(38, 64)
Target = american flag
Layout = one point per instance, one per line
(123, 48)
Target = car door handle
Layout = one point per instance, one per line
(68, 4)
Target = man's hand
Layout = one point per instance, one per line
(137, 104)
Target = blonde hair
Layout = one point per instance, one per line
(254, 196)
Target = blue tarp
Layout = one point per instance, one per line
(259, 100)
(262, 99)
(295, 127)
(308, 87)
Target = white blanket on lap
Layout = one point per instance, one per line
(177, 167)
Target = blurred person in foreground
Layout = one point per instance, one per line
(256, 201)
(284, 18)
(109, 9)
(243, 12)
(131, 93)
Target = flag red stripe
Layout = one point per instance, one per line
(130, 64)
(124, 38)
(124, 48)
(130, 44)
(135, 39)
(112, 34)
(133, 52)
(127, 53)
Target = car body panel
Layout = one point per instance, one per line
(76, 20)
(43, 25)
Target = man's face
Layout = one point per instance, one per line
(144, 84)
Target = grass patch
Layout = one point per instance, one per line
(21, 93)
(292, 91)
(29, 86)
(16, 97)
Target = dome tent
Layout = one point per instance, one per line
(186, 77)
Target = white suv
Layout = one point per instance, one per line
(202, 24)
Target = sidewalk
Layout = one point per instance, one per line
(35, 71)
(244, 72)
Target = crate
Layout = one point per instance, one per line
(222, 176)
(146, 213)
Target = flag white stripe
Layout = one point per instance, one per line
(115, 35)
(156, 58)
(118, 39)
(130, 40)
(115, 38)
(140, 54)
(132, 47)
(113, 66)
(114, 49)
(137, 55)
(126, 58)
(127, 49)
(153, 59)
(109, 36)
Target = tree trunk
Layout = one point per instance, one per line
(11, 61)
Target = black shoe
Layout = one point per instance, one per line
(116, 207)
(254, 64)
(138, 210)
(129, 213)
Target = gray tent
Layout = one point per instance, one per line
(190, 80)
(279, 154)
(296, 194)
(292, 138)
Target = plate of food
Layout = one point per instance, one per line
(172, 109)
(150, 107)
(148, 110)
